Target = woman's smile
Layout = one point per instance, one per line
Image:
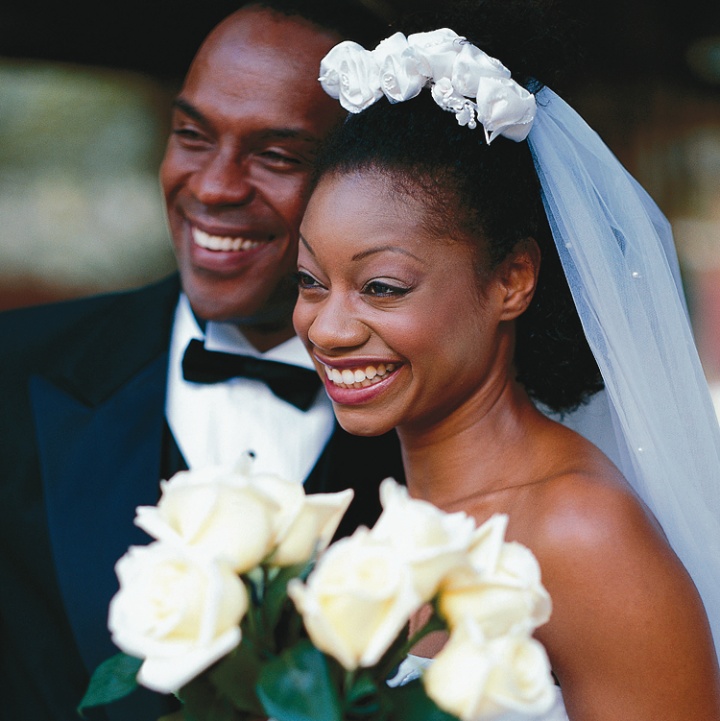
(393, 314)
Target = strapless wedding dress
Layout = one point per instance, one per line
(413, 666)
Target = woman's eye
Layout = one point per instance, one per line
(306, 282)
(381, 289)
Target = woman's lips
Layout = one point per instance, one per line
(352, 383)
(359, 377)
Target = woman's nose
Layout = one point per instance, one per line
(336, 326)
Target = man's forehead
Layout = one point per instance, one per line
(267, 35)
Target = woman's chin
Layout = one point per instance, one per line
(358, 426)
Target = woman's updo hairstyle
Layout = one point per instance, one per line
(472, 190)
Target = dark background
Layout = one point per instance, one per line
(642, 38)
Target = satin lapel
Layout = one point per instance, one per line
(99, 415)
(96, 470)
(361, 464)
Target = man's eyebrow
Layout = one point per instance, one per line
(188, 108)
(288, 133)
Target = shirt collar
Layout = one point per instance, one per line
(228, 338)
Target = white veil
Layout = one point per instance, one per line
(617, 251)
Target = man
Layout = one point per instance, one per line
(95, 408)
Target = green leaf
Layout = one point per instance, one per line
(113, 679)
(410, 703)
(363, 687)
(203, 702)
(236, 677)
(276, 591)
(297, 686)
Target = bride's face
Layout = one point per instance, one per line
(394, 316)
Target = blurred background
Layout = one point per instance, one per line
(84, 106)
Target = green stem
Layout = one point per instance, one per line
(435, 623)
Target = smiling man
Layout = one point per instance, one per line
(104, 396)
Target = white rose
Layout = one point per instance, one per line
(504, 108)
(431, 541)
(216, 511)
(476, 679)
(305, 524)
(351, 74)
(437, 51)
(356, 601)
(470, 65)
(178, 611)
(400, 72)
(500, 588)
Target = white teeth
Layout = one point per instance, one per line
(222, 242)
(359, 378)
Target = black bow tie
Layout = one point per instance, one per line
(291, 383)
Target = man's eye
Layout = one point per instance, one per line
(381, 289)
(280, 159)
(189, 135)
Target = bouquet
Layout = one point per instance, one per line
(243, 608)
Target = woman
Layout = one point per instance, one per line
(433, 300)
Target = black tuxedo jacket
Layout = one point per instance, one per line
(82, 393)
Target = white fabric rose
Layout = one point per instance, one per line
(504, 108)
(500, 588)
(463, 80)
(436, 51)
(430, 541)
(178, 611)
(356, 601)
(470, 65)
(400, 74)
(351, 74)
(476, 679)
(216, 511)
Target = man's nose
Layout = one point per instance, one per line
(223, 180)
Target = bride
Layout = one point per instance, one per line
(461, 279)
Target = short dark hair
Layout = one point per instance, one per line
(487, 193)
(351, 19)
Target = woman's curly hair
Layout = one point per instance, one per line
(488, 193)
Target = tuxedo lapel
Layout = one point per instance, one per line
(99, 418)
(361, 464)
(96, 470)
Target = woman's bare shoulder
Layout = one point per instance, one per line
(624, 608)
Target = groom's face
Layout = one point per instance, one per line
(245, 129)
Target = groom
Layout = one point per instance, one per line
(98, 400)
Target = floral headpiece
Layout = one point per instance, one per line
(462, 78)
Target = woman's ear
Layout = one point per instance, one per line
(518, 275)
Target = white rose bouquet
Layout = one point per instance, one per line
(242, 609)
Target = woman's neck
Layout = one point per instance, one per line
(481, 448)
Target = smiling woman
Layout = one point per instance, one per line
(498, 264)
(393, 299)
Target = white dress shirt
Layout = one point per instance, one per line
(216, 423)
